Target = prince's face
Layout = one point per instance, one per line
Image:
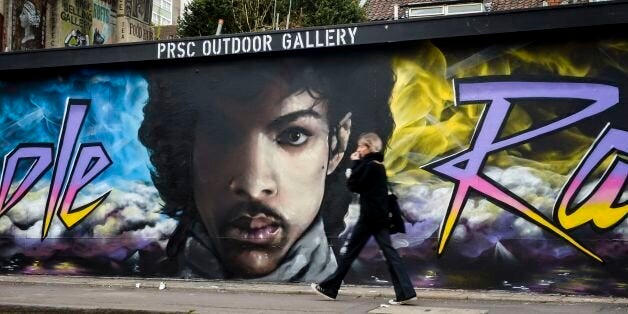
(259, 169)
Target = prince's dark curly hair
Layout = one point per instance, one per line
(180, 93)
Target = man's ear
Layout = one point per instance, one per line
(339, 142)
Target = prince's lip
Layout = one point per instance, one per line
(259, 229)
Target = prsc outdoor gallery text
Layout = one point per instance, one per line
(257, 43)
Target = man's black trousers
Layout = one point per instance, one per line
(361, 234)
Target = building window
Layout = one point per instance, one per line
(426, 11)
(465, 8)
(446, 9)
(162, 12)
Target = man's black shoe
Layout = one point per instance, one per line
(322, 292)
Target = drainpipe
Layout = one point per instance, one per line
(396, 10)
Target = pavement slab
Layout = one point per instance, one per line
(425, 310)
(299, 288)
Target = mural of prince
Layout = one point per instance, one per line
(247, 161)
(235, 169)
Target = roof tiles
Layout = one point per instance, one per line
(384, 9)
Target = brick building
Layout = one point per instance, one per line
(36, 24)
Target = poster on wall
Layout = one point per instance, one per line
(71, 23)
(103, 22)
(509, 161)
(140, 10)
(76, 22)
(29, 20)
(131, 30)
(133, 21)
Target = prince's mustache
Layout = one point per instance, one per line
(242, 214)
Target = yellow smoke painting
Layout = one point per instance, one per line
(429, 126)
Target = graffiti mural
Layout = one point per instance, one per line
(509, 161)
(29, 18)
(76, 199)
(499, 94)
(511, 149)
(90, 161)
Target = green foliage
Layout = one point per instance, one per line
(332, 12)
(200, 17)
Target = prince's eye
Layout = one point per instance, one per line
(293, 136)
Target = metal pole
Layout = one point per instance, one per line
(275, 18)
(288, 19)
(219, 28)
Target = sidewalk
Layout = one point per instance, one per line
(298, 288)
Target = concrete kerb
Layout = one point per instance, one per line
(20, 308)
(299, 288)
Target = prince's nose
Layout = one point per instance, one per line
(256, 177)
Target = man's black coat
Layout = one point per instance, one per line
(368, 178)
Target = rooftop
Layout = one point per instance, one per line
(377, 10)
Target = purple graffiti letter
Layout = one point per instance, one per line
(42, 154)
(464, 168)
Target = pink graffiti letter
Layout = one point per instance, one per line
(92, 161)
(601, 206)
